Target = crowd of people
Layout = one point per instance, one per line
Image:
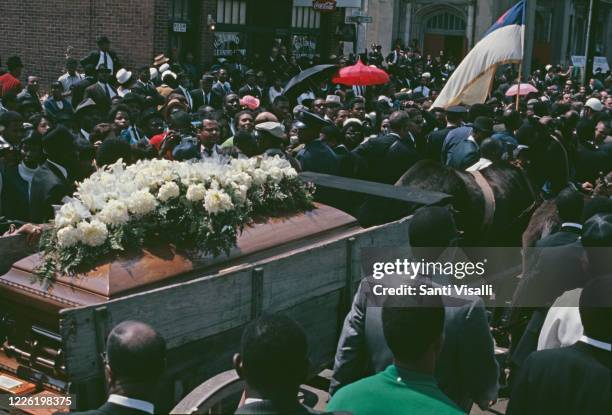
(99, 111)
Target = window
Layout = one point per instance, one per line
(305, 18)
(179, 10)
(231, 11)
(445, 22)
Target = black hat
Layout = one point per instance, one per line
(457, 109)
(58, 139)
(314, 121)
(483, 124)
(102, 39)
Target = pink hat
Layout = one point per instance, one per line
(250, 102)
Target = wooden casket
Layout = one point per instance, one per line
(305, 265)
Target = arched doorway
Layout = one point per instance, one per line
(444, 31)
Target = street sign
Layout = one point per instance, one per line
(324, 5)
(360, 19)
(180, 27)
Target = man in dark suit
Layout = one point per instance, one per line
(461, 146)
(569, 207)
(134, 362)
(206, 94)
(103, 56)
(145, 88)
(78, 90)
(467, 371)
(316, 155)
(250, 87)
(183, 89)
(435, 139)
(575, 379)
(273, 362)
(554, 266)
(52, 181)
(388, 157)
(101, 92)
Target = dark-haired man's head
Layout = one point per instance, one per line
(209, 133)
(413, 331)
(273, 358)
(569, 205)
(71, 66)
(231, 104)
(596, 309)
(112, 150)
(491, 149)
(246, 142)
(14, 65)
(135, 360)
(431, 231)
(12, 123)
(511, 119)
(597, 239)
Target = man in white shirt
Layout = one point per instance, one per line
(71, 77)
(563, 325)
(134, 362)
(103, 56)
(423, 88)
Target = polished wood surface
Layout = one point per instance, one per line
(129, 272)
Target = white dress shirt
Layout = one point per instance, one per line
(596, 343)
(571, 225)
(137, 404)
(483, 163)
(187, 96)
(69, 81)
(109, 61)
(562, 326)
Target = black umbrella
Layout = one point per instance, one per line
(298, 83)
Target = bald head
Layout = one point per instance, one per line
(135, 352)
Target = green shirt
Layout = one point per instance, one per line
(393, 392)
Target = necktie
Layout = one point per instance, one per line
(105, 59)
(107, 89)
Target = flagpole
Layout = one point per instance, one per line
(520, 72)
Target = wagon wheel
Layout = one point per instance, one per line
(215, 395)
(209, 396)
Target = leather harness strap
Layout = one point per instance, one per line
(489, 199)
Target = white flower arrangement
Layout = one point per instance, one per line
(201, 205)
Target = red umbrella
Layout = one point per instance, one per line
(362, 75)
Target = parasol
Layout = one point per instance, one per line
(362, 75)
(526, 89)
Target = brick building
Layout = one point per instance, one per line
(44, 32)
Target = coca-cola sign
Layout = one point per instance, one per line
(324, 5)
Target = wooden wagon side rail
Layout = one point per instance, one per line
(312, 284)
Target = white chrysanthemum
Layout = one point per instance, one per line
(196, 192)
(217, 201)
(276, 174)
(114, 213)
(259, 177)
(141, 203)
(93, 233)
(240, 191)
(290, 172)
(69, 214)
(169, 190)
(68, 236)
